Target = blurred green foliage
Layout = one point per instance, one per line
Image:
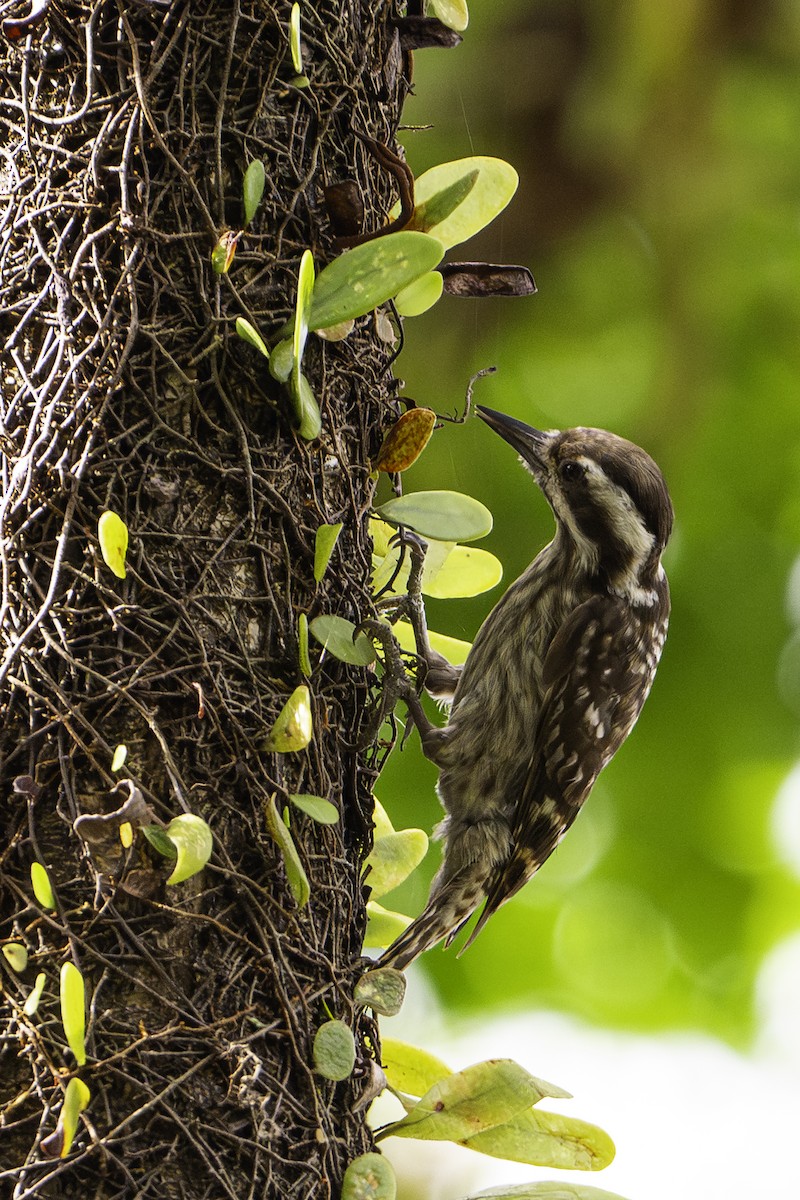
(659, 208)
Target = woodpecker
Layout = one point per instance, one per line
(555, 679)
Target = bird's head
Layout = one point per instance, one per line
(608, 496)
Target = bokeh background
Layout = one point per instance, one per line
(658, 147)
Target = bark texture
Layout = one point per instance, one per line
(125, 129)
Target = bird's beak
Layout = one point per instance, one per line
(526, 440)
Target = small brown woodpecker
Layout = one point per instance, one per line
(555, 679)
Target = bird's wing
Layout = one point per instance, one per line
(590, 703)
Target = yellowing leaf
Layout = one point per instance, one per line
(393, 858)
(16, 956)
(73, 1010)
(193, 842)
(545, 1191)
(42, 888)
(118, 761)
(444, 515)
(491, 191)
(383, 926)
(454, 650)
(294, 39)
(112, 533)
(248, 333)
(295, 872)
(545, 1139)
(126, 834)
(334, 1050)
(76, 1098)
(223, 253)
(382, 989)
(32, 1002)
(420, 295)
(467, 571)
(381, 532)
(409, 1069)
(369, 1177)
(293, 728)
(452, 13)
(380, 820)
(406, 440)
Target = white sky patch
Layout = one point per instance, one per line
(690, 1117)
(786, 820)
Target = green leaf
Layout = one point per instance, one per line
(336, 635)
(159, 841)
(466, 571)
(446, 516)
(193, 841)
(438, 207)
(16, 956)
(468, 1102)
(294, 727)
(334, 1050)
(369, 1177)
(545, 1191)
(294, 39)
(383, 989)
(452, 13)
(436, 556)
(248, 333)
(76, 1098)
(381, 822)
(42, 889)
(302, 645)
(112, 533)
(309, 420)
(253, 188)
(73, 1010)
(324, 543)
(409, 1069)
(35, 995)
(316, 807)
(454, 650)
(305, 288)
(393, 858)
(545, 1139)
(282, 360)
(420, 295)
(295, 872)
(368, 275)
(383, 926)
(495, 185)
(118, 761)
(381, 533)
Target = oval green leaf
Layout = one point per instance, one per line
(393, 858)
(112, 533)
(294, 727)
(248, 333)
(334, 1050)
(281, 360)
(468, 1102)
(295, 872)
(545, 1139)
(491, 191)
(253, 188)
(309, 419)
(369, 1177)
(452, 13)
(383, 926)
(32, 1002)
(446, 516)
(193, 841)
(118, 761)
(409, 1069)
(368, 275)
(381, 533)
(545, 1191)
(316, 807)
(305, 288)
(302, 645)
(73, 1010)
(42, 889)
(76, 1098)
(453, 649)
(336, 635)
(159, 841)
(325, 541)
(16, 956)
(467, 571)
(381, 821)
(382, 989)
(420, 295)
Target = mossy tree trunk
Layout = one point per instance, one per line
(125, 129)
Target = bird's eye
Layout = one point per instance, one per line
(571, 471)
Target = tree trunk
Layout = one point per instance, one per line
(125, 130)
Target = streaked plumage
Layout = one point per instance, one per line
(556, 677)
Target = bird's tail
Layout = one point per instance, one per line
(447, 910)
